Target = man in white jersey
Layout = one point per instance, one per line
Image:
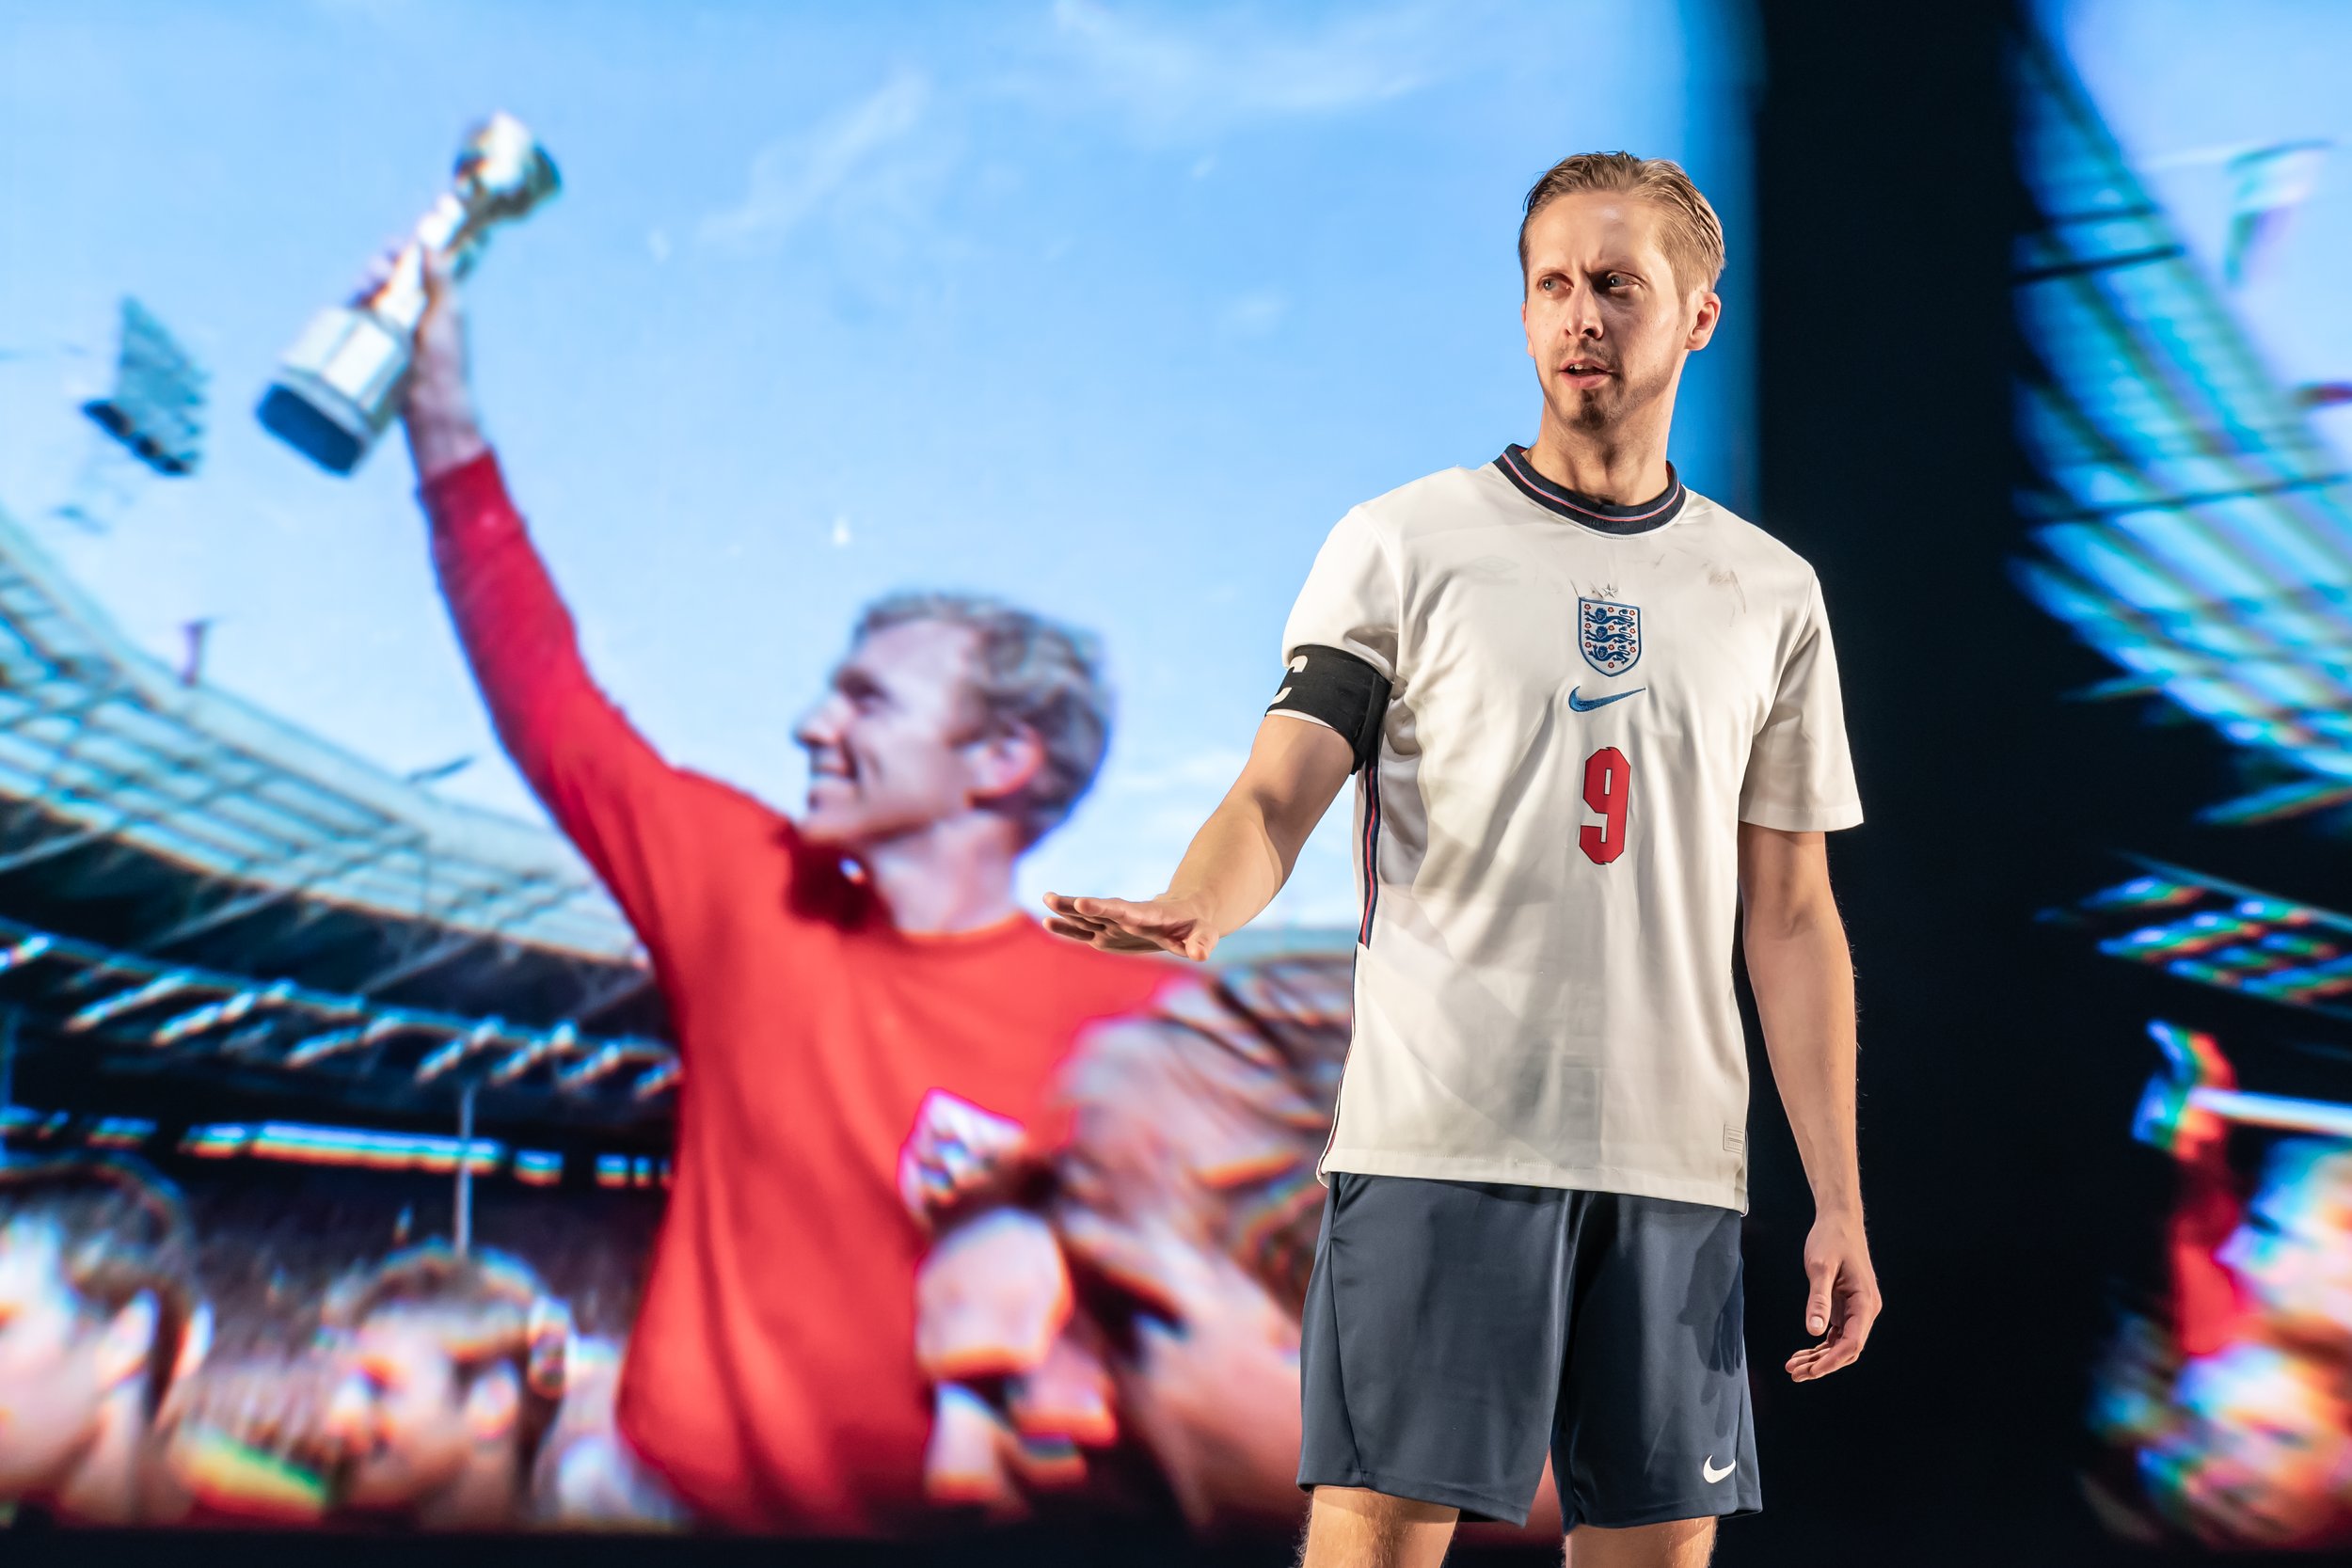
(1596, 721)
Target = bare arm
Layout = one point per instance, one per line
(1802, 974)
(1240, 858)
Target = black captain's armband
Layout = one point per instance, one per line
(1335, 687)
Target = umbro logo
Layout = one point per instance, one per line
(1582, 704)
(1707, 1469)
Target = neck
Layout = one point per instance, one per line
(481, 1497)
(102, 1487)
(1625, 464)
(954, 875)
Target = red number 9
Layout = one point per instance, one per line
(1608, 783)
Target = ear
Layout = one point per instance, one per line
(1003, 764)
(129, 1339)
(1703, 326)
(493, 1405)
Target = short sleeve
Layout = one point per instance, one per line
(1351, 600)
(1799, 776)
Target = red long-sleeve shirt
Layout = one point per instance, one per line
(2208, 1312)
(771, 1376)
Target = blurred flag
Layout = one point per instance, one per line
(2269, 184)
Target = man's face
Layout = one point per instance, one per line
(2293, 1255)
(399, 1416)
(1607, 321)
(895, 745)
(52, 1379)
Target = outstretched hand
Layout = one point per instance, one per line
(1841, 1299)
(1175, 925)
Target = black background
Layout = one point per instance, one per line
(2001, 1060)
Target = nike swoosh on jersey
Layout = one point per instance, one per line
(1585, 705)
(1707, 1469)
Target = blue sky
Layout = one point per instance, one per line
(1112, 308)
(2184, 84)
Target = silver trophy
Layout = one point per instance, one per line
(341, 382)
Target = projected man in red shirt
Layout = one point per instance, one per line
(771, 1378)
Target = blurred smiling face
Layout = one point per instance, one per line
(2265, 1455)
(2293, 1255)
(895, 745)
(399, 1416)
(52, 1377)
(1607, 321)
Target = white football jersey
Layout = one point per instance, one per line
(1585, 702)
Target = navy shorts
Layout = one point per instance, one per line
(1456, 1331)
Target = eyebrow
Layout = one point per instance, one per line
(851, 681)
(1562, 269)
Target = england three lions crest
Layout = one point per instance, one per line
(1609, 634)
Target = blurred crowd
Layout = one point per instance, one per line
(269, 1356)
(2229, 1412)
(1106, 1317)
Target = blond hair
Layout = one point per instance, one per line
(1027, 672)
(1693, 239)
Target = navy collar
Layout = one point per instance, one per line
(1655, 513)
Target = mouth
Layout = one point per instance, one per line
(1585, 373)
(831, 770)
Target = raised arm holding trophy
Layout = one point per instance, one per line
(341, 382)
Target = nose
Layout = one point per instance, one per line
(1581, 320)
(347, 1414)
(821, 726)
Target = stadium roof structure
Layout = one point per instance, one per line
(2211, 931)
(169, 849)
(2192, 526)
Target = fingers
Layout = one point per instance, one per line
(1066, 909)
(1103, 912)
(1819, 1361)
(1856, 1310)
(1118, 924)
(955, 1149)
(1110, 938)
(377, 272)
(1817, 1302)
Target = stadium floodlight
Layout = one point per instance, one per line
(156, 408)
